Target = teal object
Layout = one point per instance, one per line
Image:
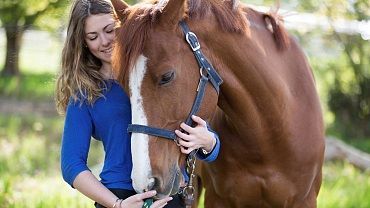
(148, 203)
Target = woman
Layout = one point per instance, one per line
(96, 106)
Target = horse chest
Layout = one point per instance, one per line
(274, 190)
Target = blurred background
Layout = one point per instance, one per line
(335, 34)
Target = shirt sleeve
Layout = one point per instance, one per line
(214, 153)
(76, 139)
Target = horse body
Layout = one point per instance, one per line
(268, 117)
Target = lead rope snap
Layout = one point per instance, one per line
(148, 202)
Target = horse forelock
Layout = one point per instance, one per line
(130, 39)
(135, 29)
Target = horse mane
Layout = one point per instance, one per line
(139, 20)
(273, 22)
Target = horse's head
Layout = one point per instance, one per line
(159, 71)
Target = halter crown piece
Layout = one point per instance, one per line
(207, 74)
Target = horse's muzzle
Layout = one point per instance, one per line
(167, 186)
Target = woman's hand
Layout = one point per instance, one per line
(198, 137)
(137, 200)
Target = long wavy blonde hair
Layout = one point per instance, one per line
(79, 78)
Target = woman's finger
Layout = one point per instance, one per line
(199, 120)
(186, 151)
(161, 203)
(182, 135)
(145, 195)
(185, 143)
(187, 128)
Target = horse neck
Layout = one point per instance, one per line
(251, 93)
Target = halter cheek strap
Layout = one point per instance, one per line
(206, 68)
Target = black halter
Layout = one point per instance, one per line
(207, 73)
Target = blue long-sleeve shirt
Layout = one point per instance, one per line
(106, 120)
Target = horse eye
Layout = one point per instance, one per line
(167, 77)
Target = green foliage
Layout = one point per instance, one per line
(24, 13)
(26, 141)
(16, 16)
(28, 86)
(344, 187)
(344, 75)
(132, 2)
(29, 163)
(349, 97)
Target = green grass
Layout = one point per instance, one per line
(39, 62)
(30, 175)
(33, 87)
(29, 164)
(344, 186)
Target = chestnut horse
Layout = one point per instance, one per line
(267, 112)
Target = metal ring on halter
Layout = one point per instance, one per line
(201, 69)
(188, 191)
(177, 141)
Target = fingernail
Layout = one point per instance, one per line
(154, 192)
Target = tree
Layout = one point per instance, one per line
(349, 94)
(16, 16)
(352, 107)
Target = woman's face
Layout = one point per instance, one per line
(99, 36)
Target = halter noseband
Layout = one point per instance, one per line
(207, 73)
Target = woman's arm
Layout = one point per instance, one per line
(90, 186)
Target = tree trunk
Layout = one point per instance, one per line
(13, 42)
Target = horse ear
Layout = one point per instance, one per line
(172, 13)
(119, 6)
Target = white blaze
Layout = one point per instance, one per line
(139, 142)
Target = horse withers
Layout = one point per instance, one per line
(267, 112)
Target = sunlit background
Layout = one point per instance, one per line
(335, 34)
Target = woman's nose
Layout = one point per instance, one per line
(105, 40)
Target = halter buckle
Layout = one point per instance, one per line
(192, 39)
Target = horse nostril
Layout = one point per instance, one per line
(151, 184)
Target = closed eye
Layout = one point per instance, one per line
(167, 77)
